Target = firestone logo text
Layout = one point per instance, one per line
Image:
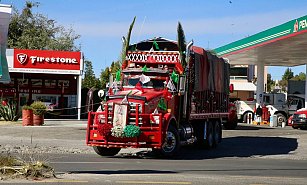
(22, 58)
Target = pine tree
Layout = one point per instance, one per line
(270, 83)
(89, 79)
(105, 74)
(285, 78)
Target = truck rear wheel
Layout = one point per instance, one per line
(104, 151)
(209, 143)
(204, 134)
(171, 144)
(217, 132)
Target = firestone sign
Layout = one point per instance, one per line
(45, 59)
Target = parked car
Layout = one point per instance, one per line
(299, 119)
(290, 120)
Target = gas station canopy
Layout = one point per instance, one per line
(283, 45)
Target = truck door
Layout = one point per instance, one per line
(292, 105)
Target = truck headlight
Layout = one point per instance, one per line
(302, 116)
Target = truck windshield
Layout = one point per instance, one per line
(153, 83)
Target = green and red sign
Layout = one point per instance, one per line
(283, 31)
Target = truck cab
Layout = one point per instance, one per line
(277, 105)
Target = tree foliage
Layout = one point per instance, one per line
(270, 83)
(89, 79)
(283, 83)
(300, 77)
(36, 31)
(105, 74)
(288, 74)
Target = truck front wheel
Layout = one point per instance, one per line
(171, 143)
(280, 119)
(103, 151)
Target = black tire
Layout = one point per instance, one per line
(231, 125)
(200, 134)
(244, 120)
(281, 118)
(217, 133)
(103, 151)
(171, 144)
(294, 127)
(209, 143)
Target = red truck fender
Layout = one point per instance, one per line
(168, 117)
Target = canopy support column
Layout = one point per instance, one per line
(260, 82)
(79, 82)
(306, 88)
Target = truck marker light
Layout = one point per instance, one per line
(151, 137)
(94, 135)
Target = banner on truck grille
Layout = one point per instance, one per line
(120, 115)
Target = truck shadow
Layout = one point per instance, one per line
(241, 146)
(252, 127)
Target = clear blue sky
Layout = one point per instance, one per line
(210, 23)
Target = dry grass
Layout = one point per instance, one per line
(24, 167)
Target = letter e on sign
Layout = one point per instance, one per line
(22, 58)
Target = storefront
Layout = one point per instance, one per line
(53, 77)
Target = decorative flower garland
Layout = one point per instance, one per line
(104, 129)
(132, 131)
(118, 131)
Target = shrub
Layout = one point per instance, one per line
(9, 112)
(39, 108)
(27, 107)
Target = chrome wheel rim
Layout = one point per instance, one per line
(170, 142)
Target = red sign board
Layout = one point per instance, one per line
(46, 59)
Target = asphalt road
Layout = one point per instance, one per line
(249, 155)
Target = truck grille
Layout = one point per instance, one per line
(131, 114)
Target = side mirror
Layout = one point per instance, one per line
(101, 93)
(182, 80)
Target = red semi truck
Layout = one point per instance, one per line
(159, 102)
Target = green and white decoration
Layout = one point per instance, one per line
(132, 131)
